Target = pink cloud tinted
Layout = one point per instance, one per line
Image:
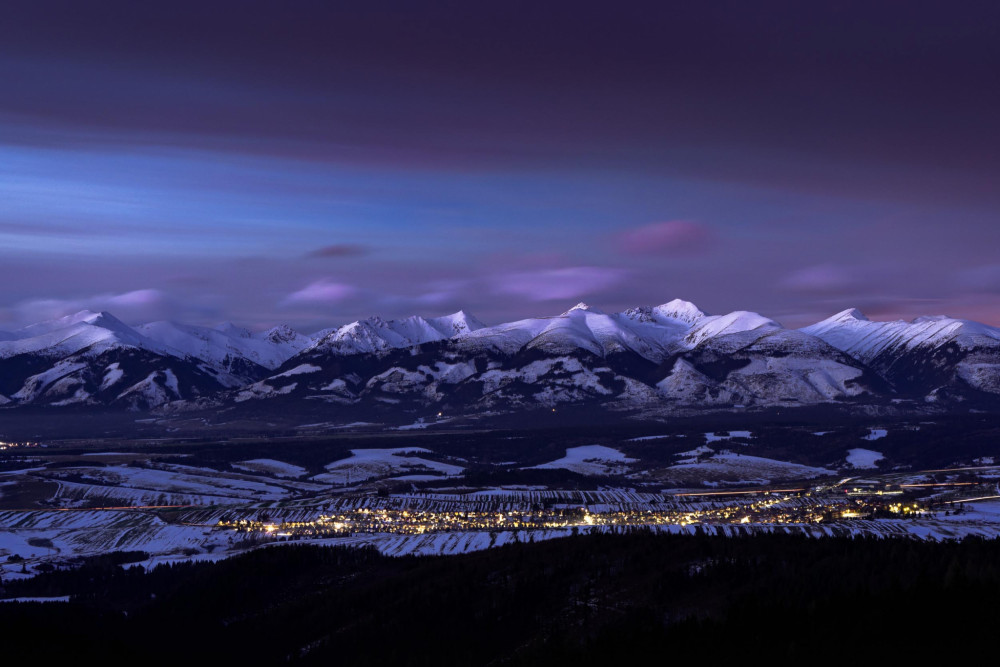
(143, 304)
(549, 284)
(822, 279)
(667, 238)
(338, 251)
(322, 291)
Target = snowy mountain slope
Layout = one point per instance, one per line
(377, 336)
(863, 339)
(765, 364)
(84, 331)
(233, 331)
(94, 358)
(750, 325)
(926, 355)
(672, 355)
(120, 376)
(228, 348)
(649, 332)
(285, 335)
(653, 333)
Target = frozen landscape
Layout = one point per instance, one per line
(499, 334)
(441, 490)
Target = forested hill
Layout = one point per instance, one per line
(582, 600)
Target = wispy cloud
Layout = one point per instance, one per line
(564, 283)
(135, 305)
(823, 279)
(339, 250)
(673, 237)
(321, 292)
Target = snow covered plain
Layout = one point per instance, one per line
(271, 467)
(72, 534)
(734, 468)
(591, 460)
(167, 485)
(863, 458)
(365, 464)
(715, 437)
(691, 483)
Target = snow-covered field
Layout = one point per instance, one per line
(88, 533)
(51, 534)
(271, 467)
(365, 464)
(735, 468)
(173, 483)
(715, 437)
(591, 460)
(72, 505)
(863, 458)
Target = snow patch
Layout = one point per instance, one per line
(271, 467)
(863, 458)
(301, 369)
(712, 437)
(590, 460)
(112, 374)
(365, 464)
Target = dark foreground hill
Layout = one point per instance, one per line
(589, 600)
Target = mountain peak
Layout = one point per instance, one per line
(850, 314)
(462, 315)
(81, 316)
(102, 319)
(679, 309)
(231, 329)
(456, 323)
(582, 306)
(281, 333)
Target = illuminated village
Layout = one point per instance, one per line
(835, 504)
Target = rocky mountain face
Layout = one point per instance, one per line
(672, 355)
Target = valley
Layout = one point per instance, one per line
(442, 490)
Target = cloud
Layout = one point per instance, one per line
(667, 238)
(134, 306)
(321, 292)
(338, 250)
(551, 284)
(137, 298)
(822, 279)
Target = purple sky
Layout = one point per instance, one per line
(296, 162)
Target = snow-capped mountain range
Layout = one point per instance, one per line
(672, 355)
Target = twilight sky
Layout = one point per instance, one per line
(315, 162)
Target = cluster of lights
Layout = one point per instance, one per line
(764, 510)
(16, 445)
(912, 509)
(787, 507)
